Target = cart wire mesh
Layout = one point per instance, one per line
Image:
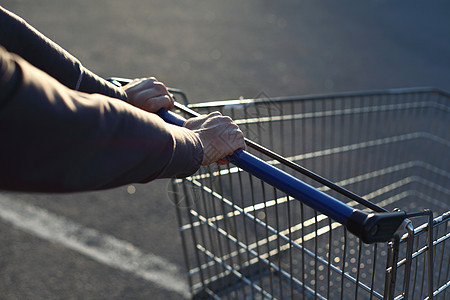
(244, 239)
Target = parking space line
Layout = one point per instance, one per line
(101, 247)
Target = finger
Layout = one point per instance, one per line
(156, 103)
(159, 86)
(214, 113)
(148, 94)
(235, 139)
(203, 121)
(136, 87)
(230, 140)
(217, 120)
(139, 83)
(148, 82)
(157, 89)
(196, 122)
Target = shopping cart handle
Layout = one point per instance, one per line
(375, 227)
(371, 228)
(171, 117)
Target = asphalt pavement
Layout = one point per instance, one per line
(212, 50)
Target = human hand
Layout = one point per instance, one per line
(219, 135)
(148, 94)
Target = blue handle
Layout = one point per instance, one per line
(292, 186)
(171, 117)
(371, 228)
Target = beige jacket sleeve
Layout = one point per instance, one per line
(54, 139)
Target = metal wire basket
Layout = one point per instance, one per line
(245, 239)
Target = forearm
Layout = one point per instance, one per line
(19, 37)
(58, 140)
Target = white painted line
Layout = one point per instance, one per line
(103, 248)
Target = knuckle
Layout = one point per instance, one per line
(151, 80)
(167, 99)
(147, 84)
(158, 84)
(161, 87)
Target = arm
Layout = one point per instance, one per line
(59, 140)
(19, 37)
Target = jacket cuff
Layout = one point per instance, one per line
(187, 154)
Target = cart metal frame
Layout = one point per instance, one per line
(245, 239)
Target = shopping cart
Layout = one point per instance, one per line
(246, 239)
